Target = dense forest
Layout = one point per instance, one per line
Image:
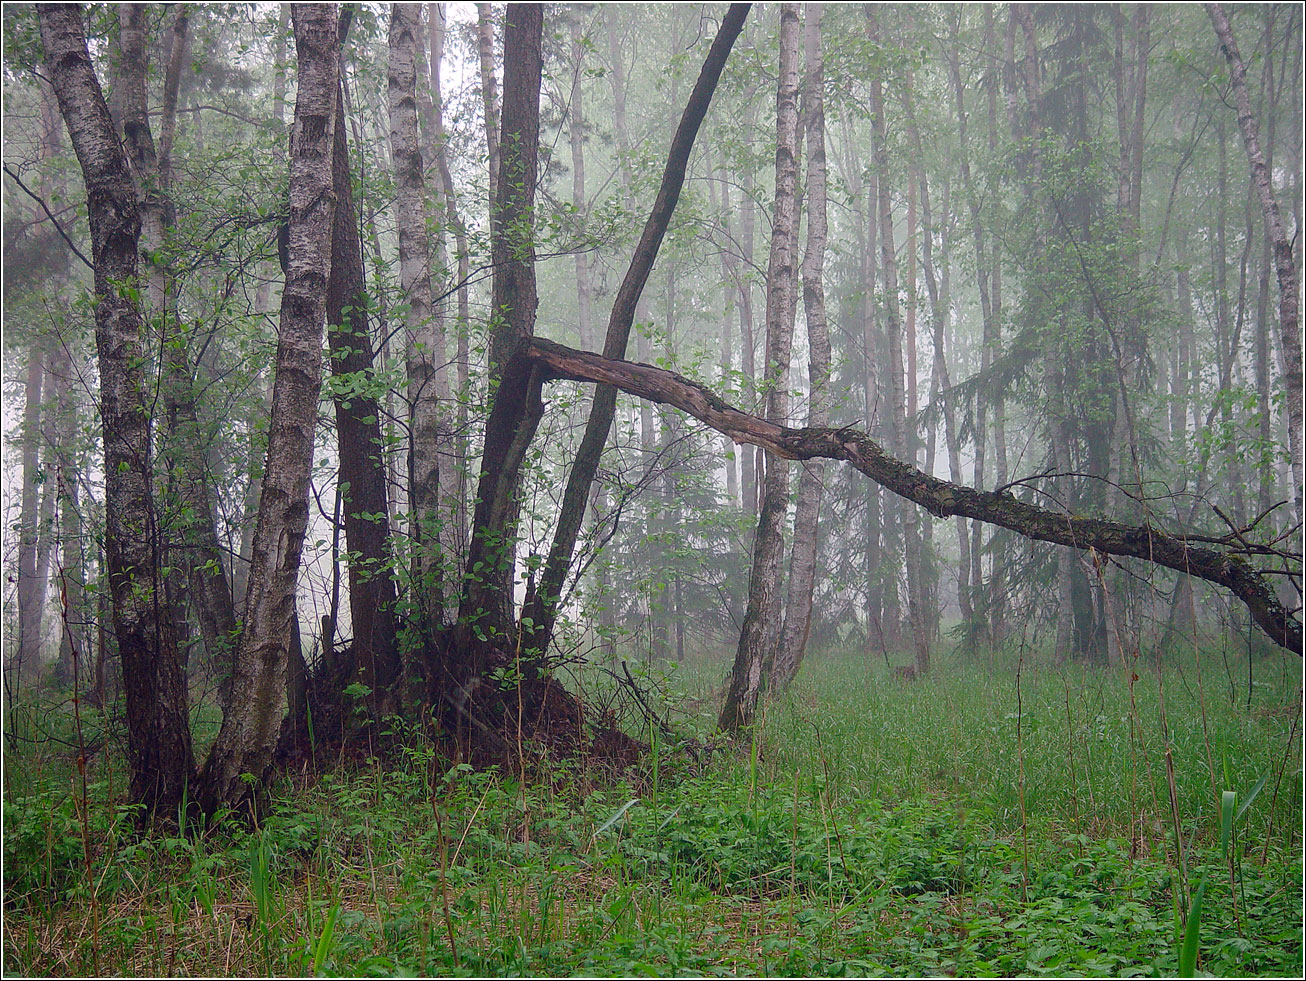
(446, 390)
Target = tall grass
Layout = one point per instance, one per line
(1093, 740)
(871, 826)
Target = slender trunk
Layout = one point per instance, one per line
(864, 226)
(192, 530)
(543, 611)
(453, 475)
(489, 93)
(903, 436)
(761, 618)
(31, 588)
(576, 137)
(361, 474)
(750, 475)
(158, 732)
(279, 66)
(486, 631)
(802, 569)
(424, 333)
(974, 550)
(936, 284)
(63, 428)
(719, 202)
(258, 692)
(1284, 261)
(256, 424)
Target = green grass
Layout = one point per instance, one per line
(872, 827)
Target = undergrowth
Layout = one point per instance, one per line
(870, 827)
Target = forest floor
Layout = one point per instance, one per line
(998, 818)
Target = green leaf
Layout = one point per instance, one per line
(1227, 801)
(1260, 785)
(1188, 953)
(324, 941)
(616, 817)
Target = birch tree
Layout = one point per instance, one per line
(761, 619)
(158, 727)
(802, 568)
(258, 690)
(1285, 265)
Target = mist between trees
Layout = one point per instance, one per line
(373, 360)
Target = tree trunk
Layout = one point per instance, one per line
(251, 725)
(936, 286)
(576, 138)
(749, 476)
(1284, 262)
(762, 615)
(158, 732)
(490, 92)
(361, 475)
(903, 435)
(191, 530)
(424, 355)
(453, 485)
(543, 611)
(63, 428)
(486, 633)
(802, 569)
(31, 588)
(719, 201)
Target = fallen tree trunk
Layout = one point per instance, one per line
(1225, 566)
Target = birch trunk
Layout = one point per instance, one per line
(158, 731)
(1285, 266)
(424, 334)
(761, 617)
(453, 485)
(489, 93)
(258, 693)
(802, 569)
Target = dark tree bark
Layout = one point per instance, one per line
(762, 616)
(542, 612)
(250, 728)
(485, 633)
(190, 529)
(158, 730)
(361, 476)
(1222, 560)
